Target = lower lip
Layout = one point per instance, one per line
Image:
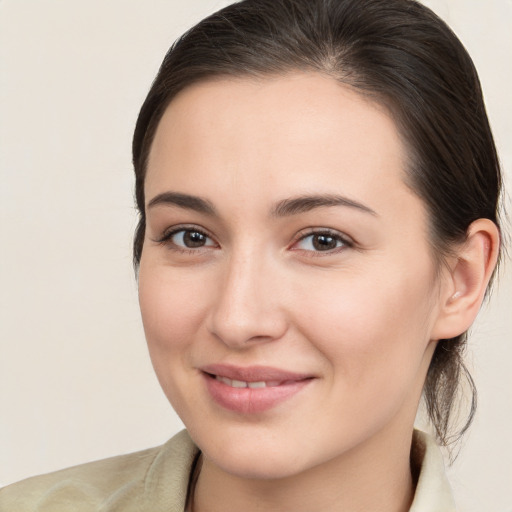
(252, 400)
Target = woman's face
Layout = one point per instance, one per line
(287, 288)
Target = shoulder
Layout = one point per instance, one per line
(154, 479)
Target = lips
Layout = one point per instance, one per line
(244, 384)
(252, 390)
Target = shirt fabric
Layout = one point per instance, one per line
(156, 480)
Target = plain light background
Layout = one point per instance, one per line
(76, 383)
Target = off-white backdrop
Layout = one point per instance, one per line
(76, 383)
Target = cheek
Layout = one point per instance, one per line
(171, 306)
(371, 326)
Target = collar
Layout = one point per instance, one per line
(433, 492)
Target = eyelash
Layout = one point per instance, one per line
(345, 241)
(302, 236)
(167, 236)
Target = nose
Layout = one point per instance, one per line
(247, 308)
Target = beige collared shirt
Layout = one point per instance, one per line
(156, 480)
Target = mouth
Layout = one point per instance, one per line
(245, 384)
(251, 390)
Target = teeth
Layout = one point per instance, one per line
(225, 380)
(243, 384)
(257, 384)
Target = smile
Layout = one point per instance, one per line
(243, 384)
(252, 390)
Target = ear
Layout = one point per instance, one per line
(467, 278)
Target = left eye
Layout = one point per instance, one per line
(320, 242)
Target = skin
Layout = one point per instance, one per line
(361, 318)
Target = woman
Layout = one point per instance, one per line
(318, 191)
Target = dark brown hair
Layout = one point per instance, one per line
(395, 51)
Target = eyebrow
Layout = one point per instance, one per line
(284, 208)
(186, 201)
(303, 204)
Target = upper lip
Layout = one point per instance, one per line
(253, 373)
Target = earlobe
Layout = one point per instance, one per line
(470, 271)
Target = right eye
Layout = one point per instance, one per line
(186, 239)
(189, 239)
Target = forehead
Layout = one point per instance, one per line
(277, 136)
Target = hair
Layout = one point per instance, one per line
(398, 53)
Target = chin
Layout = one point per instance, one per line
(256, 466)
(256, 453)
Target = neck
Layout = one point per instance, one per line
(376, 476)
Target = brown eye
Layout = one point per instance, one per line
(193, 239)
(190, 239)
(322, 242)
